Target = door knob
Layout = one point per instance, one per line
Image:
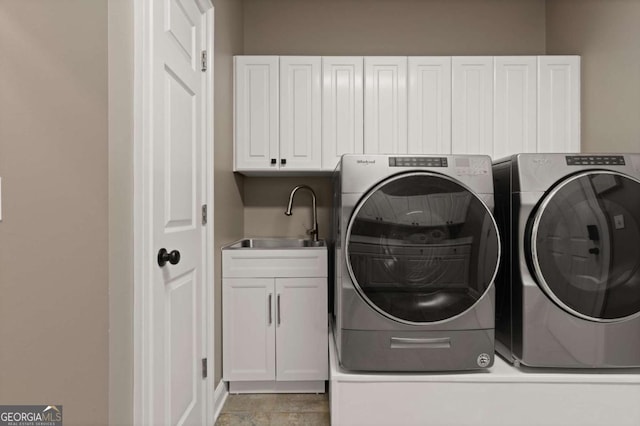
(594, 250)
(172, 257)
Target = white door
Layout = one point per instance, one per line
(178, 186)
(300, 109)
(429, 105)
(248, 337)
(256, 113)
(472, 105)
(342, 108)
(515, 105)
(558, 103)
(385, 105)
(301, 329)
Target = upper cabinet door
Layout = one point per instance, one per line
(385, 105)
(558, 104)
(472, 105)
(300, 109)
(256, 112)
(515, 105)
(429, 105)
(342, 108)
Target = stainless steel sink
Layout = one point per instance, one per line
(275, 243)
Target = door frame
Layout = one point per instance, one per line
(143, 253)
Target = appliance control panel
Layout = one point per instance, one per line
(595, 160)
(418, 162)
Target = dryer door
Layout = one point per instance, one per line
(421, 247)
(585, 245)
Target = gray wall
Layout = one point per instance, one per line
(265, 200)
(228, 213)
(53, 234)
(394, 27)
(373, 27)
(120, 31)
(606, 33)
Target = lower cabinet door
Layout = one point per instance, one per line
(248, 337)
(301, 329)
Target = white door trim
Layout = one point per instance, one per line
(144, 255)
(209, 274)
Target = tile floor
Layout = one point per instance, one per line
(275, 409)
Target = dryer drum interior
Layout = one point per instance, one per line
(421, 247)
(584, 246)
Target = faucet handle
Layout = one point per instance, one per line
(313, 233)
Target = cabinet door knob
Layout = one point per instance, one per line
(283, 161)
(273, 161)
(270, 318)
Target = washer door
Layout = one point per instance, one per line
(585, 245)
(421, 247)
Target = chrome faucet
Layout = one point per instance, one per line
(313, 231)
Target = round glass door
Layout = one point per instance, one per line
(421, 248)
(585, 245)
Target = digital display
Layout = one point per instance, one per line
(418, 162)
(595, 160)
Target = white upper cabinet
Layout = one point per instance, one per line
(301, 113)
(558, 104)
(278, 103)
(256, 112)
(342, 108)
(515, 123)
(472, 105)
(429, 105)
(385, 105)
(300, 108)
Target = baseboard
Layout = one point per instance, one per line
(219, 398)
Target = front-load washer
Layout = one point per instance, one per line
(568, 290)
(416, 252)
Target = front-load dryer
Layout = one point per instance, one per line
(416, 253)
(568, 290)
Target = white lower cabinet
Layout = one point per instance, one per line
(275, 335)
(249, 332)
(301, 329)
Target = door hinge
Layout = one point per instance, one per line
(204, 60)
(204, 214)
(204, 368)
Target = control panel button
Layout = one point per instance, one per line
(418, 162)
(595, 160)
